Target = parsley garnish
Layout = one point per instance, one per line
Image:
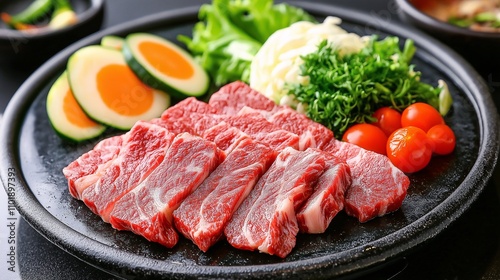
(344, 90)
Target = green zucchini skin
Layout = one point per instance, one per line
(34, 12)
(76, 139)
(156, 82)
(60, 124)
(146, 77)
(111, 41)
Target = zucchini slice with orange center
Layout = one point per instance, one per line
(112, 41)
(66, 116)
(109, 92)
(165, 66)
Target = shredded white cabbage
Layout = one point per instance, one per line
(278, 60)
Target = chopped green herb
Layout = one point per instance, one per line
(344, 90)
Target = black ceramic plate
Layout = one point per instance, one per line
(437, 196)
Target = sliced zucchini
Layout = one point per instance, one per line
(112, 41)
(109, 92)
(165, 66)
(66, 116)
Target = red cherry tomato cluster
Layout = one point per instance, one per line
(409, 139)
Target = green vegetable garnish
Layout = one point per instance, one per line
(460, 22)
(480, 20)
(445, 99)
(485, 17)
(232, 31)
(31, 14)
(344, 90)
(261, 18)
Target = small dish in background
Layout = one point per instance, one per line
(19, 47)
(479, 45)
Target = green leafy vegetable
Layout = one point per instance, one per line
(261, 18)
(232, 31)
(344, 90)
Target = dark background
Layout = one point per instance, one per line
(468, 249)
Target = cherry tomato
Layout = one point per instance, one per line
(442, 138)
(409, 149)
(388, 119)
(366, 136)
(421, 115)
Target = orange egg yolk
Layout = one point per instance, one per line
(122, 91)
(166, 60)
(74, 112)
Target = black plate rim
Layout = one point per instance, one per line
(360, 258)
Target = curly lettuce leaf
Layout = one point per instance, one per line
(230, 33)
(261, 18)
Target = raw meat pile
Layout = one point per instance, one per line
(238, 168)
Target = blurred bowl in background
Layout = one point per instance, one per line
(20, 48)
(481, 48)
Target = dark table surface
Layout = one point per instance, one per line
(468, 249)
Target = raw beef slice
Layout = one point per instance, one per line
(187, 106)
(139, 156)
(176, 127)
(202, 216)
(88, 168)
(311, 133)
(147, 209)
(201, 116)
(231, 98)
(377, 187)
(327, 199)
(266, 220)
(256, 126)
(226, 137)
(198, 116)
(263, 131)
